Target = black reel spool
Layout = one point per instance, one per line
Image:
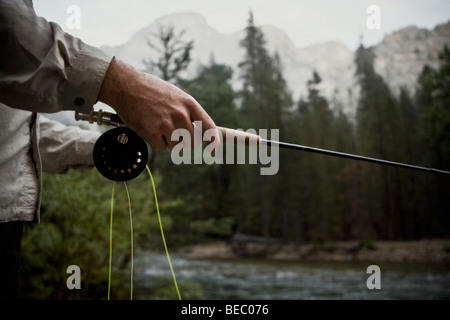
(120, 154)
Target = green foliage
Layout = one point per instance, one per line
(433, 100)
(221, 228)
(433, 96)
(212, 89)
(74, 229)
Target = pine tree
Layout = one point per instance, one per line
(321, 127)
(377, 116)
(265, 100)
(433, 99)
(433, 96)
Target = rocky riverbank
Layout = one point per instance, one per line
(420, 251)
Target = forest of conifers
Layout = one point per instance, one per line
(313, 198)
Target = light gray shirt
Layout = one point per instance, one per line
(42, 69)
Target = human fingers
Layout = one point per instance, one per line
(181, 123)
(207, 124)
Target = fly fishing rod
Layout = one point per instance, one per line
(100, 117)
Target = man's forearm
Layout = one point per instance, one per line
(150, 106)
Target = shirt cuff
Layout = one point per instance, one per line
(85, 77)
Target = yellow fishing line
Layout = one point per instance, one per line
(131, 241)
(110, 241)
(162, 233)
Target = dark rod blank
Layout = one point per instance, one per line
(350, 156)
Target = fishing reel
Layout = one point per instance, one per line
(119, 154)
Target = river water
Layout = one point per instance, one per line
(263, 280)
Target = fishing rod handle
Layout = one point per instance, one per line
(238, 137)
(229, 136)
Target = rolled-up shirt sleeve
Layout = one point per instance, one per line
(44, 69)
(65, 147)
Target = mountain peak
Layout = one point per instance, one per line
(400, 56)
(181, 20)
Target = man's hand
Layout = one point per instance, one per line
(151, 107)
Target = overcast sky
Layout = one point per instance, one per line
(113, 22)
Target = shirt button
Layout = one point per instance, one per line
(78, 101)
